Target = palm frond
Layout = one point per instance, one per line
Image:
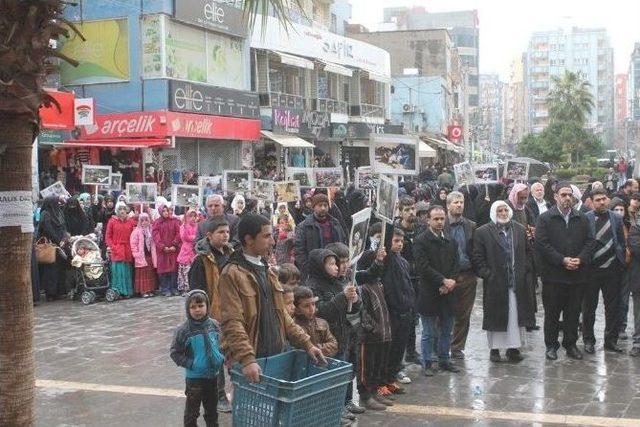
(280, 9)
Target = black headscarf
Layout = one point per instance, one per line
(52, 205)
(75, 218)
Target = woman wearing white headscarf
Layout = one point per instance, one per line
(503, 258)
(238, 204)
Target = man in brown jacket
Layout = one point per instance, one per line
(255, 322)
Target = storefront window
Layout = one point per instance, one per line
(285, 79)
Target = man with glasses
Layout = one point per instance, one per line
(565, 243)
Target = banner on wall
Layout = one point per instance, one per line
(103, 57)
(212, 15)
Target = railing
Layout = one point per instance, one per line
(282, 100)
(367, 110)
(330, 105)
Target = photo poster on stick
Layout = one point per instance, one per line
(464, 174)
(185, 195)
(287, 191)
(209, 185)
(56, 189)
(386, 198)
(264, 190)
(328, 177)
(366, 179)
(237, 181)
(116, 182)
(304, 176)
(517, 170)
(96, 175)
(141, 192)
(394, 154)
(486, 173)
(359, 234)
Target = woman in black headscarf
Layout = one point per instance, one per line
(52, 227)
(75, 219)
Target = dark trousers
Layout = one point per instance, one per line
(411, 342)
(565, 299)
(205, 391)
(609, 280)
(373, 362)
(168, 282)
(401, 326)
(623, 306)
(220, 384)
(351, 354)
(465, 293)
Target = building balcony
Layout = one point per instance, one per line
(282, 100)
(366, 110)
(330, 105)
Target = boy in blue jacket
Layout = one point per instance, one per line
(195, 348)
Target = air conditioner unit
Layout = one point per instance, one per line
(408, 108)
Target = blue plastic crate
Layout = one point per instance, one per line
(292, 392)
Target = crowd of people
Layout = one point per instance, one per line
(258, 282)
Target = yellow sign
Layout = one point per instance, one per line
(104, 57)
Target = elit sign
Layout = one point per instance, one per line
(215, 15)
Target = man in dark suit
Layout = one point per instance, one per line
(461, 230)
(605, 273)
(437, 262)
(564, 242)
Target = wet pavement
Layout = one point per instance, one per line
(108, 365)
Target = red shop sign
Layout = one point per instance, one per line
(52, 118)
(162, 124)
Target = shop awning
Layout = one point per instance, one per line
(338, 69)
(296, 61)
(425, 151)
(117, 143)
(378, 77)
(287, 141)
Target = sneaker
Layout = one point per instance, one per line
(373, 405)
(224, 406)
(395, 388)
(457, 354)
(348, 415)
(412, 357)
(402, 378)
(353, 408)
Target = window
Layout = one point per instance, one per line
(334, 23)
(473, 80)
(327, 85)
(465, 40)
(473, 101)
(469, 60)
(285, 79)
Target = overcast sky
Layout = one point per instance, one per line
(506, 25)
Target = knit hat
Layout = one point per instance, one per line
(319, 198)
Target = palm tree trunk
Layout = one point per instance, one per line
(17, 376)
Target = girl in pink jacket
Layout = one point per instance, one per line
(188, 231)
(144, 255)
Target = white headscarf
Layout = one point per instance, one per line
(578, 195)
(493, 214)
(234, 203)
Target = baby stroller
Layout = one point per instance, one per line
(92, 272)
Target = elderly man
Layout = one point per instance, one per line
(215, 212)
(536, 203)
(461, 230)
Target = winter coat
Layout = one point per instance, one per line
(240, 312)
(436, 259)
(556, 240)
(332, 303)
(137, 249)
(233, 227)
(320, 334)
(376, 322)
(195, 345)
(205, 273)
(118, 239)
(634, 267)
(469, 233)
(187, 236)
(618, 234)
(309, 237)
(166, 233)
(489, 261)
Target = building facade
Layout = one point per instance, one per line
(491, 108)
(621, 111)
(580, 50)
(464, 28)
(514, 122)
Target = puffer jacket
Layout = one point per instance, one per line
(240, 300)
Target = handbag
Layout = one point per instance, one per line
(45, 251)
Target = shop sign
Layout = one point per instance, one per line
(363, 130)
(214, 15)
(84, 112)
(161, 124)
(52, 137)
(316, 124)
(58, 116)
(202, 99)
(311, 42)
(286, 121)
